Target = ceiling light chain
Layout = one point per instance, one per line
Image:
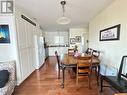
(63, 4)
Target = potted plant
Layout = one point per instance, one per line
(76, 48)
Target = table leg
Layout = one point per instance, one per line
(98, 74)
(101, 81)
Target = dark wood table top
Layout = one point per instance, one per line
(69, 59)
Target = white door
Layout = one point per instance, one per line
(21, 33)
(24, 63)
(31, 60)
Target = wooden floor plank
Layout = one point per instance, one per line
(45, 82)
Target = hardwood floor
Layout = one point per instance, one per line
(45, 82)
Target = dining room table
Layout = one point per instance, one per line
(70, 61)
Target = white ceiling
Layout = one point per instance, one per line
(48, 11)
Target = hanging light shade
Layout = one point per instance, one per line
(63, 20)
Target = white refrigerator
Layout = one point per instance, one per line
(39, 51)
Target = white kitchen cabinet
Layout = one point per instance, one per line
(63, 50)
(60, 50)
(52, 50)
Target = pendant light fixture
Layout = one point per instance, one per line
(63, 20)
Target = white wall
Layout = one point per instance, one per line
(112, 51)
(83, 32)
(8, 51)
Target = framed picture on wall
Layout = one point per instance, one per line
(78, 39)
(4, 34)
(111, 33)
(72, 40)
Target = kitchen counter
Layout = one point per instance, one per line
(57, 46)
(59, 49)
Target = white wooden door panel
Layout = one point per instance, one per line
(21, 33)
(31, 60)
(24, 63)
(30, 34)
(25, 36)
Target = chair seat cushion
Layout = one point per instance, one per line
(4, 77)
(119, 84)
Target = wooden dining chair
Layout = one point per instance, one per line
(62, 66)
(89, 51)
(84, 69)
(59, 64)
(96, 53)
(70, 51)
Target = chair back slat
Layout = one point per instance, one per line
(57, 57)
(84, 66)
(70, 51)
(84, 62)
(89, 51)
(96, 53)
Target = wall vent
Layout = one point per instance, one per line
(28, 20)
